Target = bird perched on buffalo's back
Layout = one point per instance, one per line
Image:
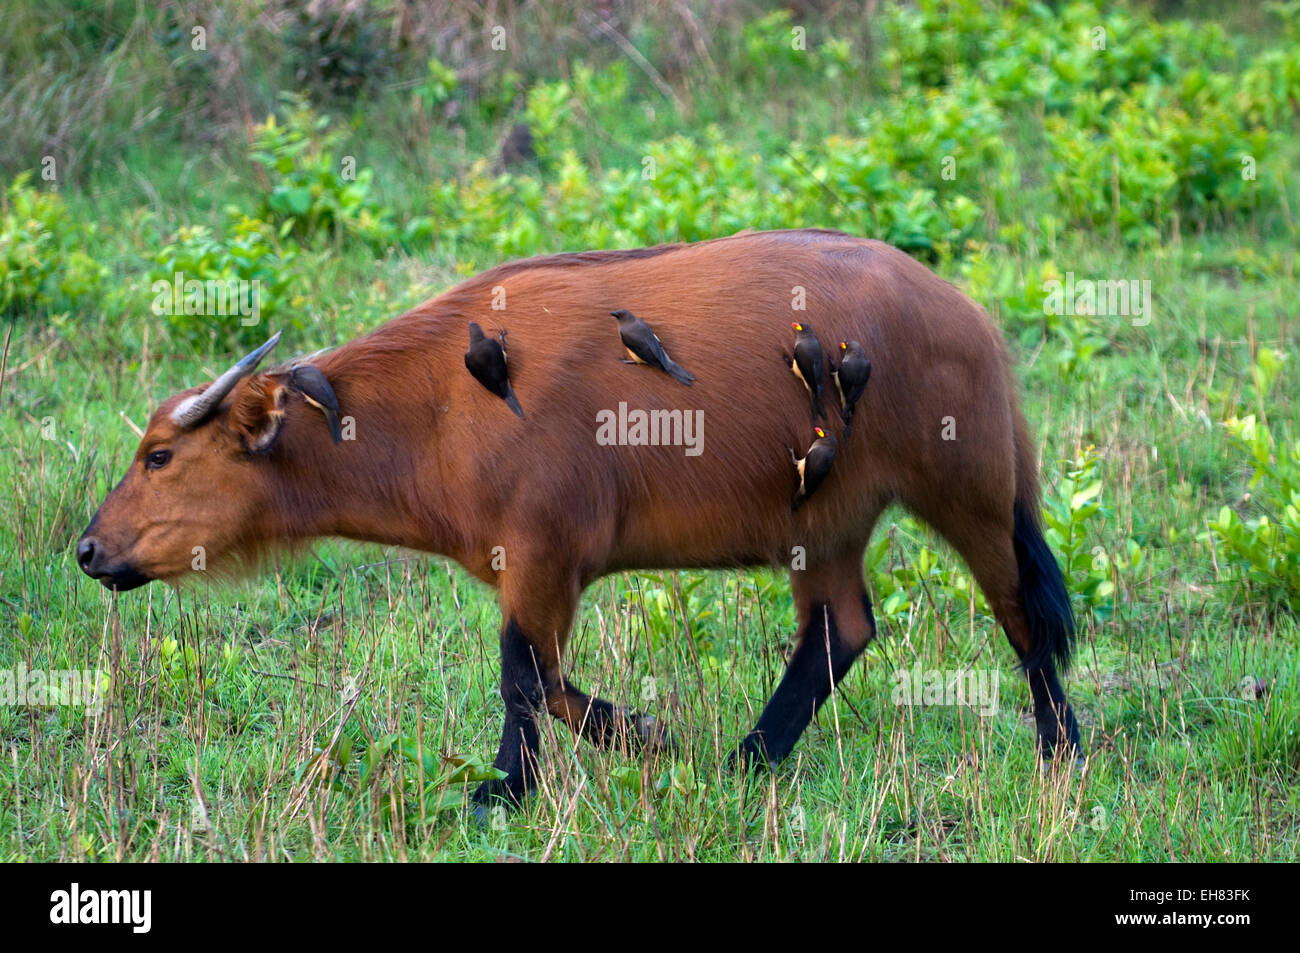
(851, 376)
(813, 467)
(486, 360)
(643, 346)
(807, 365)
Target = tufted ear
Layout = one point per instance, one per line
(257, 411)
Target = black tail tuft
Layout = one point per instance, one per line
(1043, 592)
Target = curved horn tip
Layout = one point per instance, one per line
(255, 357)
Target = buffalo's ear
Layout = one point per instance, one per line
(257, 411)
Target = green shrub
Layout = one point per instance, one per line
(1263, 549)
(1018, 301)
(918, 133)
(43, 264)
(313, 192)
(675, 603)
(687, 190)
(1120, 179)
(926, 41)
(899, 586)
(559, 113)
(250, 253)
(548, 107)
(1029, 52)
(1014, 297)
(768, 41)
(1148, 161)
(1268, 91)
(1207, 149)
(439, 84)
(1069, 515)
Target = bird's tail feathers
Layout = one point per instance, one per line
(679, 372)
(513, 403)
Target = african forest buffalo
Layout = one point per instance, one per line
(540, 507)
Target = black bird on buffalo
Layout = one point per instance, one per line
(308, 381)
(813, 467)
(643, 346)
(807, 365)
(486, 360)
(851, 376)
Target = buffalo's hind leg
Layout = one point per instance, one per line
(835, 625)
(1026, 591)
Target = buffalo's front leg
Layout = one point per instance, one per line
(605, 724)
(531, 682)
(537, 604)
(526, 671)
(538, 610)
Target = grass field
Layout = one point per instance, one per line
(337, 707)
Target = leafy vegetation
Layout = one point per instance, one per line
(43, 262)
(315, 192)
(251, 254)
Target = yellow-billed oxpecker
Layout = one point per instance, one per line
(486, 360)
(643, 347)
(813, 467)
(807, 365)
(851, 376)
(308, 381)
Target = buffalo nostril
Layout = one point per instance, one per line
(85, 553)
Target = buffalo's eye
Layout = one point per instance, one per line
(157, 459)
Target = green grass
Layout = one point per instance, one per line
(1187, 680)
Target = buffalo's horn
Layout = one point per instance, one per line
(193, 410)
(316, 390)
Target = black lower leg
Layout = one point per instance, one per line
(1052, 713)
(599, 717)
(820, 661)
(606, 725)
(523, 694)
